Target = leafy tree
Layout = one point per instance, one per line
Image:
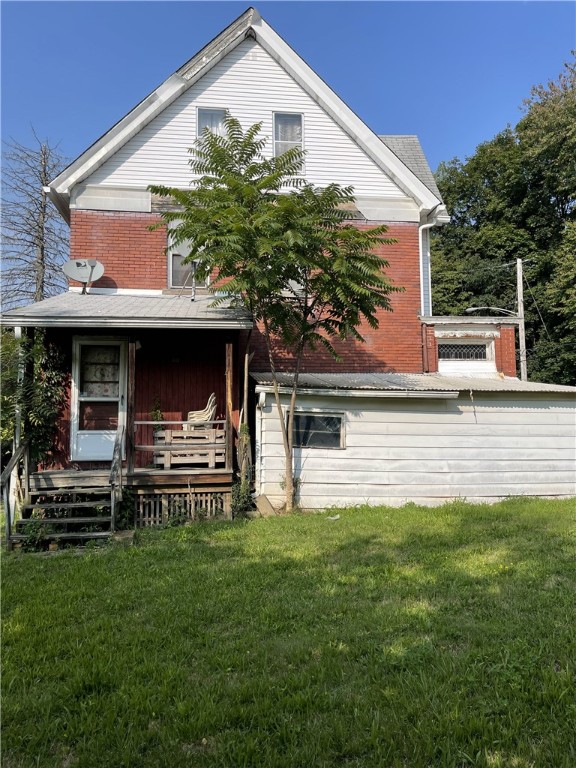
(280, 248)
(38, 396)
(515, 198)
(34, 237)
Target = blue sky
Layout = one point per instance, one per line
(455, 73)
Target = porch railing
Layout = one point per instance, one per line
(15, 485)
(181, 445)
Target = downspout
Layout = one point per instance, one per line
(421, 229)
(260, 405)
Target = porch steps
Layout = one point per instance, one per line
(66, 513)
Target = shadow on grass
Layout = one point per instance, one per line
(389, 637)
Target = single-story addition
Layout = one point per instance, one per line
(392, 438)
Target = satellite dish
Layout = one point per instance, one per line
(83, 270)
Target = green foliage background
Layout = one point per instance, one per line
(516, 198)
(40, 397)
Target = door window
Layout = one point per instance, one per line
(99, 397)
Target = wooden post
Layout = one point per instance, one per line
(521, 325)
(229, 440)
(131, 407)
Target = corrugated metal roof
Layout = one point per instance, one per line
(112, 310)
(408, 149)
(410, 382)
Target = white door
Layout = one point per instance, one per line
(98, 404)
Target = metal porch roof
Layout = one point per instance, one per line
(127, 311)
(409, 383)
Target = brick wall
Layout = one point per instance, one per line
(132, 255)
(505, 350)
(396, 345)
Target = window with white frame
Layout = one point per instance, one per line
(318, 430)
(453, 351)
(212, 119)
(472, 355)
(287, 132)
(180, 274)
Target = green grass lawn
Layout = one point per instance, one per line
(412, 637)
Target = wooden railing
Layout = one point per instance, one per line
(179, 444)
(14, 482)
(115, 478)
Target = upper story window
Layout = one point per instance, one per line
(287, 132)
(213, 119)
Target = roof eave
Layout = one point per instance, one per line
(31, 321)
(378, 393)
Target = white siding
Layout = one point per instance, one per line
(430, 451)
(252, 85)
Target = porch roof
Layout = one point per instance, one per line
(75, 310)
(406, 384)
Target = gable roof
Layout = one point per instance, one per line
(409, 177)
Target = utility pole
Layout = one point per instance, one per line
(521, 325)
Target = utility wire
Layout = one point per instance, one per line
(537, 308)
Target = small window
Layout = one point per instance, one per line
(462, 352)
(287, 132)
(213, 119)
(315, 430)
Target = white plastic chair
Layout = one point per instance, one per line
(206, 414)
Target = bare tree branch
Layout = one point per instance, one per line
(34, 237)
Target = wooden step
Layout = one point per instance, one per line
(66, 504)
(63, 520)
(70, 491)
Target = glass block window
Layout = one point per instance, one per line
(213, 119)
(462, 352)
(287, 132)
(315, 430)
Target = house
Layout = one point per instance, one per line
(428, 408)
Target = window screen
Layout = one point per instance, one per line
(462, 351)
(181, 273)
(313, 430)
(287, 132)
(100, 371)
(213, 119)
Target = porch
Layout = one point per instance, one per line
(189, 480)
(127, 439)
